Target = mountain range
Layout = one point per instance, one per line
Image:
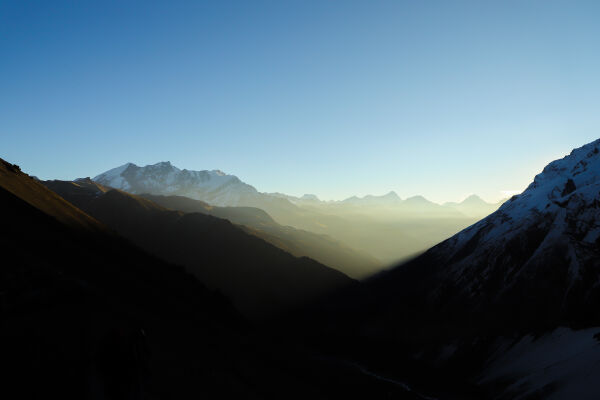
(375, 231)
(220, 189)
(472, 206)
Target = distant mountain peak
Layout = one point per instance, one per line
(215, 187)
(474, 206)
(417, 199)
(119, 169)
(391, 195)
(546, 237)
(473, 199)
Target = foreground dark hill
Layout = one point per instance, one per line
(298, 242)
(260, 278)
(527, 269)
(69, 289)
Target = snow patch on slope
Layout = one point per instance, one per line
(564, 184)
(563, 364)
(578, 173)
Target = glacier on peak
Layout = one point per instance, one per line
(215, 187)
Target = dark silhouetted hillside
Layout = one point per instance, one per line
(68, 287)
(298, 242)
(260, 278)
(85, 314)
(502, 301)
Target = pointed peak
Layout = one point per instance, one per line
(473, 199)
(417, 198)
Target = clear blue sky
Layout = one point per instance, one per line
(334, 98)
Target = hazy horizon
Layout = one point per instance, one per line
(440, 100)
(505, 194)
(502, 194)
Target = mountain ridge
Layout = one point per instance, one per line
(528, 269)
(122, 177)
(298, 242)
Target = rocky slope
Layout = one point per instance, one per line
(527, 269)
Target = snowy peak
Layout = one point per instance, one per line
(547, 238)
(114, 177)
(215, 187)
(574, 178)
(532, 265)
(115, 172)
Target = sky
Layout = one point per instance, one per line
(337, 98)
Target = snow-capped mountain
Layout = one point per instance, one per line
(220, 189)
(524, 271)
(530, 268)
(535, 262)
(549, 233)
(214, 187)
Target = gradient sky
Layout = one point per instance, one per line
(336, 98)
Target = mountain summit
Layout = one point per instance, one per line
(214, 187)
